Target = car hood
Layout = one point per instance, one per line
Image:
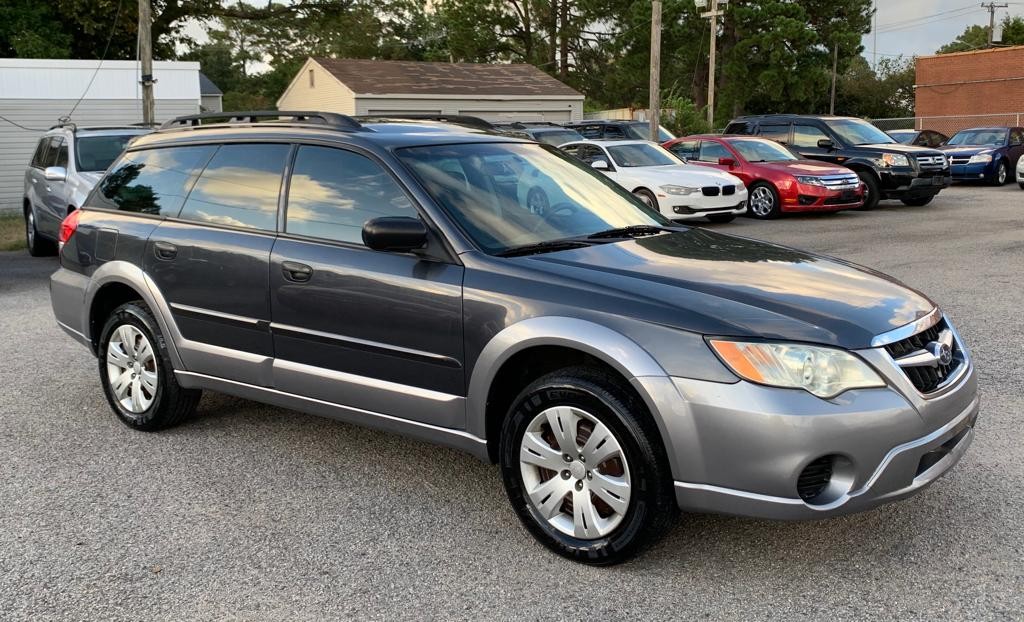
(908, 150)
(715, 284)
(952, 150)
(683, 174)
(805, 167)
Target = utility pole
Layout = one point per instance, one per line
(835, 68)
(146, 57)
(712, 17)
(655, 86)
(874, 33)
(992, 6)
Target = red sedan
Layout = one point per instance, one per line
(777, 180)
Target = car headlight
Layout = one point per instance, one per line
(824, 372)
(679, 190)
(892, 159)
(811, 181)
(980, 158)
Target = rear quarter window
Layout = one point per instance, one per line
(152, 181)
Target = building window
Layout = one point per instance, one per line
(312, 83)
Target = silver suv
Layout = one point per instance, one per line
(67, 163)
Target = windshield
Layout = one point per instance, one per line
(506, 195)
(641, 154)
(857, 132)
(641, 130)
(557, 137)
(758, 150)
(96, 153)
(906, 136)
(986, 138)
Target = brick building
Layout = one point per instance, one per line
(984, 82)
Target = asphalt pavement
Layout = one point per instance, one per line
(258, 513)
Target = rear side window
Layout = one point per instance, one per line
(778, 133)
(613, 132)
(153, 181)
(239, 187)
(333, 192)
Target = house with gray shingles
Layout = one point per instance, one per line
(36, 93)
(495, 92)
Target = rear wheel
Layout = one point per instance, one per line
(38, 246)
(999, 178)
(584, 467)
(918, 201)
(136, 371)
(763, 201)
(871, 190)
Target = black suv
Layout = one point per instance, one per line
(617, 366)
(888, 169)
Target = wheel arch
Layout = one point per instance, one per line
(526, 350)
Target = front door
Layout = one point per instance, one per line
(805, 142)
(367, 329)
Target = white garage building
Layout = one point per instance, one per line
(379, 87)
(35, 93)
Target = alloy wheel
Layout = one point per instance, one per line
(762, 202)
(574, 472)
(131, 369)
(30, 228)
(1001, 174)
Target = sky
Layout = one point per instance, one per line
(919, 27)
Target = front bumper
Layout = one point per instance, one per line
(740, 448)
(689, 207)
(896, 184)
(972, 172)
(808, 198)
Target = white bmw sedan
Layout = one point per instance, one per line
(658, 178)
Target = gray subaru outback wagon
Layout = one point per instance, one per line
(617, 366)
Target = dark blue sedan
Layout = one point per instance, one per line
(987, 154)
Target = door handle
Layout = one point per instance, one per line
(296, 272)
(165, 250)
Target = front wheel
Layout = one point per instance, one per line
(584, 467)
(647, 197)
(918, 201)
(136, 372)
(38, 246)
(871, 190)
(763, 201)
(999, 178)
(1021, 184)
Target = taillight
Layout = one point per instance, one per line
(68, 227)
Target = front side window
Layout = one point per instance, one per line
(53, 151)
(640, 154)
(1017, 138)
(857, 132)
(96, 153)
(760, 150)
(151, 181)
(61, 158)
(333, 192)
(239, 187)
(711, 151)
(807, 136)
(40, 155)
(558, 197)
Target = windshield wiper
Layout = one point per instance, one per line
(629, 232)
(542, 247)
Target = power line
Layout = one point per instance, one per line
(930, 20)
(19, 125)
(925, 17)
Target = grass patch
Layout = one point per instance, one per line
(12, 231)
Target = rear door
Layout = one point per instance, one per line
(47, 220)
(367, 329)
(34, 183)
(212, 261)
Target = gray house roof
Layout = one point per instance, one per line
(422, 78)
(207, 87)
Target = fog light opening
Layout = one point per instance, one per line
(825, 479)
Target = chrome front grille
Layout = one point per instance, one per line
(929, 358)
(960, 159)
(848, 181)
(932, 162)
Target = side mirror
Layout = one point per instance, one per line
(55, 173)
(726, 162)
(395, 233)
(600, 165)
(825, 143)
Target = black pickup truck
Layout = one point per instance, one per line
(888, 169)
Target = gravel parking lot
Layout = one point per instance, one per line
(252, 512)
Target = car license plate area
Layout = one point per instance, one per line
(938, 181)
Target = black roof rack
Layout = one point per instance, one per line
(457, 119)
(521, 125)
(332, 120)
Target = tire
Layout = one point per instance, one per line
(767, 200)
(1001, 174)
(647, 197)
(918, 201)
(871, 190)
(1021, 184)
(722, 218)
(634, 464)
(160, 404)
(37, 245)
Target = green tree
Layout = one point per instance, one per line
(889, 93)
(976, 37)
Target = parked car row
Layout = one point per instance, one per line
(616, 366)
(988, 154)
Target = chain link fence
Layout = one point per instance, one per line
(951, 124)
